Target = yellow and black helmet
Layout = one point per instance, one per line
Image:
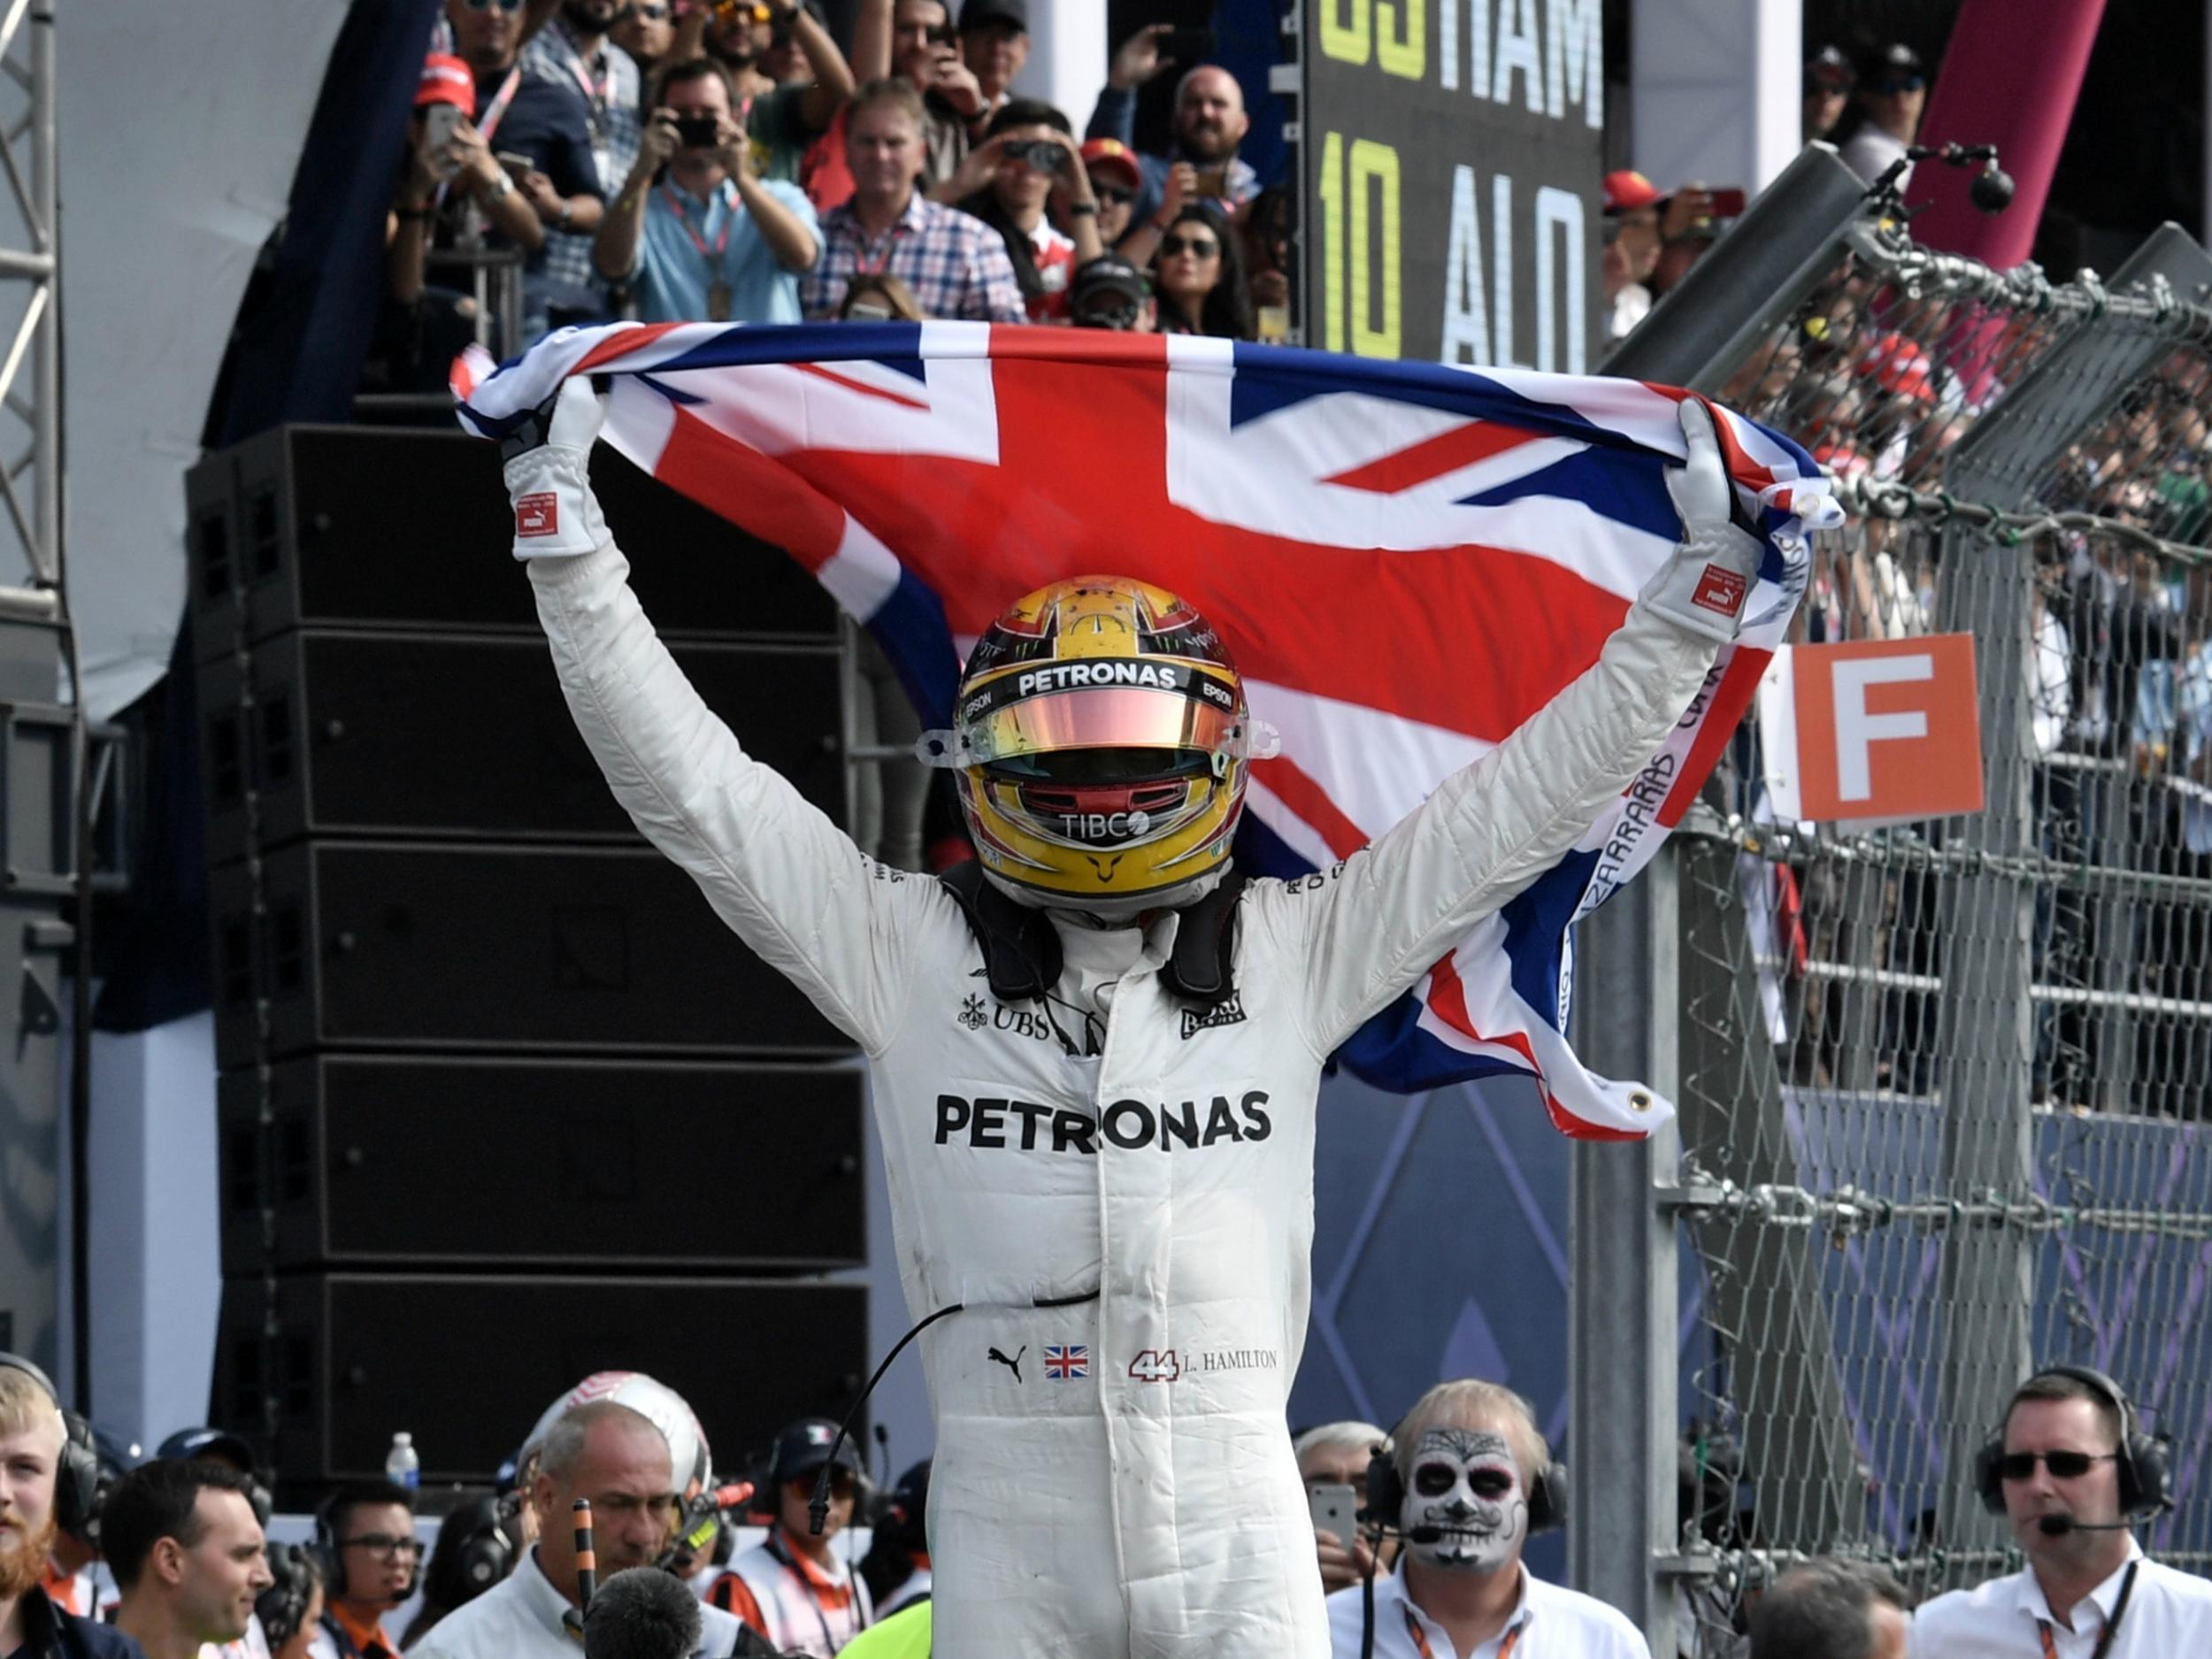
(1099, 741)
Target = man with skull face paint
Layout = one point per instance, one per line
(1469, 1458)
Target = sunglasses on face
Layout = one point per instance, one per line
(486, 5)
(1197, 247)
(384, 1547)
(1900, 83)
(2062, 1465)
(651, 14)
(1113, 195)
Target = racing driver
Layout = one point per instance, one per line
(1095, 1053)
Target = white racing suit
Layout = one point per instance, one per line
(1112, 1477)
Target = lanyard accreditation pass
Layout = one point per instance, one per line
(717, 286)
(1421, 1638)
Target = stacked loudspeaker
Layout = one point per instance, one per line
(501, 1102)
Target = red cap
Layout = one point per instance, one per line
(1627, 190)
(446, 79)
(1112, 152)
(1899, 364)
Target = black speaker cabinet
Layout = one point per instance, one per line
(321, 1370)
(377, 945)
(407, 734)
(381, 1161)
(385, 527)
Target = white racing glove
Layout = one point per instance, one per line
(1706, 586)
(549, 475)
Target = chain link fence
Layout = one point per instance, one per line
(1946, 1086)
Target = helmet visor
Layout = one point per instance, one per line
(1099, 717)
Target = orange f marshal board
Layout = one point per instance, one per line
(1873, 732)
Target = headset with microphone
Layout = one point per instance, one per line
(1385, 1497)
(77, 1472)
(2143, 1461)
(329, 1552)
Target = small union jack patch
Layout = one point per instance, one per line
(1064, 1362)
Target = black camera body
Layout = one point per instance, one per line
(698, 131)
(1040, 153)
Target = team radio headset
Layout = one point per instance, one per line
(77, 1471)
(1386, 1498)
(2143, 1461)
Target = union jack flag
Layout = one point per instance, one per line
(1063, 1363)
(1406, 560)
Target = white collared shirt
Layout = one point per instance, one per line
(2169, 1615)
(1550, 1622)
(521, 1617)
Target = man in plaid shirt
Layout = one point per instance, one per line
(573, 51)
(957, 266)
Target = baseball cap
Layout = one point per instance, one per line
(1628, 190)
(1828, 70)
(1112, 152)
(803, 1447)
(976, 13)
(446, 79)
(1892, 65)
(1110, 272)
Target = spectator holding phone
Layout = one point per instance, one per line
(1029, 159)
(520, 166)
(953, 264)
(1198, 282)
(1332, 1461)
(695, 235)
(926, 49)
(1209, 122)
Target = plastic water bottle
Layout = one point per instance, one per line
(402, 1467)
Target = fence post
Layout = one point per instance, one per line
(1621, 1287)
(1987, 921)
(1755, 274)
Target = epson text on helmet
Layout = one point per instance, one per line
(1066, 676)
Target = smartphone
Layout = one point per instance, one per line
(516, 163)
(697, 132)
(1727, 204)
(1336, 1510)
(437, 127)
(1189, 48)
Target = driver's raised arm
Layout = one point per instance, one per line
(1368, 929)
(788, 881)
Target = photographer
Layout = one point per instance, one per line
(693, 233)
(781, 120)
(1029, 159)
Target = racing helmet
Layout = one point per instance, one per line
(689, 1458)
(1099, 746)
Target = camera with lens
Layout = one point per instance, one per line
(698, 131)
(1039, 153)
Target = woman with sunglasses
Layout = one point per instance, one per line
(1198, 277)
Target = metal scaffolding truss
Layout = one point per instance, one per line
(30, 411)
